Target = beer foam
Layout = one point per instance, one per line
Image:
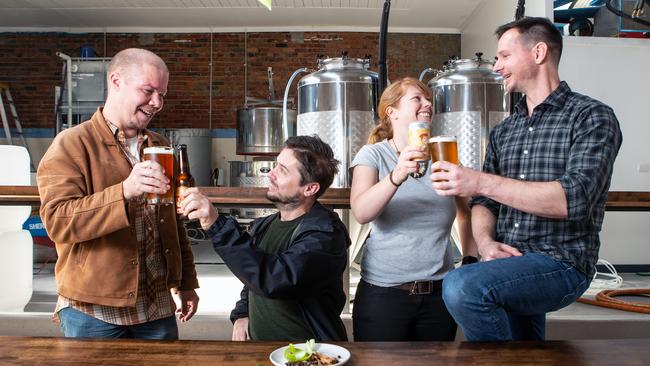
(443, 139)
(158, 150)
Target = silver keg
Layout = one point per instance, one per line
(260, 130)
(469, 100)
(338, 103)
(264, 124)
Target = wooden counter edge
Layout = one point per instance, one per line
(333, 197)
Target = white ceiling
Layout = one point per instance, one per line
(427, 16)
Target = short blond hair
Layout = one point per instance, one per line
(132, 59)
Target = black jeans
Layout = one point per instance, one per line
(390, 314)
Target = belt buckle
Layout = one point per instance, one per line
(425, 289)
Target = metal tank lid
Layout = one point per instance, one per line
(341, 69)
(334, 63)
(263, 108)
(464, 71)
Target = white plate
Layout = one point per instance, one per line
(332, 350)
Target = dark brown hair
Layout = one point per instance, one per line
(317, 162)
(534, 30)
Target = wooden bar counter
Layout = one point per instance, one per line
(334, 197)
(71, 352)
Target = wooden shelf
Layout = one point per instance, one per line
(334, 197)
(256, 197)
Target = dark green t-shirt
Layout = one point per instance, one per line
(277, 319)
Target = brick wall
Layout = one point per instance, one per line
(28, 61)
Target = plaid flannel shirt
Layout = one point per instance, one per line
(569, 138)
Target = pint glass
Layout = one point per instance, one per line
(164, 156)
(443, 148)
(418, 136)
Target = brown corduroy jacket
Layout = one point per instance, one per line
(85, 214)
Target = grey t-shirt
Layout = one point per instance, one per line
(410, 239)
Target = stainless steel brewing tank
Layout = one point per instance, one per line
(338, 103)
(252, 173)
(469, 100)
(260, 131)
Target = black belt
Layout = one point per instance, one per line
(420, 287)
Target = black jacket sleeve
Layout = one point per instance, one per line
(241, 306)
(316, 257)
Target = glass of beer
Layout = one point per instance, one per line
(163, 155)
(417, 136)
(444, 148)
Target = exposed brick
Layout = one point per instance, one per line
(30, 64)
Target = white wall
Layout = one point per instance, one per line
(608, 69)
(477, 34)
(612, 71)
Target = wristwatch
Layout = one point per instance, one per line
(468, 259)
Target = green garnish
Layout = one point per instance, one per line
(295, 354)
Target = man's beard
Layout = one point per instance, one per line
(284, 202)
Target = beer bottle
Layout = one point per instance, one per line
(419, 136)
(184, 179)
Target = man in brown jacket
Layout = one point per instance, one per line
(118, 257)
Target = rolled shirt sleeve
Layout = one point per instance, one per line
(597, 139)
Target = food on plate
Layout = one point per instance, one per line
(296, 356)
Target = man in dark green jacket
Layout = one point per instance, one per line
(292, 262)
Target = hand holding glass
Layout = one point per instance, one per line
(444, 148)
(164, 156)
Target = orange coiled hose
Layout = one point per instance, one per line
(606, 299)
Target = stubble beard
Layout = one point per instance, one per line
(284, 202)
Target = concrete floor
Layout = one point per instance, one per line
(220, 290)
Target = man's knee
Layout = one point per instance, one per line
(456, 288)
(462, 285)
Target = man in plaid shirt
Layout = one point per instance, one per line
(538, 205)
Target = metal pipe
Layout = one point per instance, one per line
(269, 73)
(426, 71)
(68, 68)
(285, 122)
(210, 88)
(383, 37)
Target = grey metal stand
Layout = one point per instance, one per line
(4, 87)
(82, 92)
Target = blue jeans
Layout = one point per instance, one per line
(505, 299)
(76, 324)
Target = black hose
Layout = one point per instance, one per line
(620, 13)
(383, 36)
(521, 9)
(516, 96)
